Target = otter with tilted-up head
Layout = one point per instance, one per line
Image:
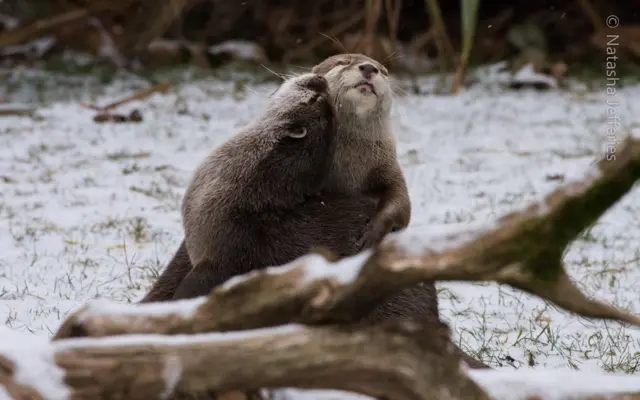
(365, 162)
(365, 159)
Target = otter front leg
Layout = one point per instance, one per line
(198, 282)
(394, 207)
(166, 284)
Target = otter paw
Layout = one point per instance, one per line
(373, 235)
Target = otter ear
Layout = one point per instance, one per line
(297, 133)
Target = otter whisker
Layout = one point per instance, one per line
(292, 75)
(336, 41)
(397, 89)
(387, 57)
(281, 76)
(398, 56)
(299, 66)
(260, 92)
(391, 58)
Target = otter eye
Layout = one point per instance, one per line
(298, 133)
(342, 62)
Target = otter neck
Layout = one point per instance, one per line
(362, 144)
(370, 126)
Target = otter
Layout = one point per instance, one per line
(364, 166)
(365, 162)
(253, 202)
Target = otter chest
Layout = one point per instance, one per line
(352, 165)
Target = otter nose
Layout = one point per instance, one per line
(368, 70)
(317, 83)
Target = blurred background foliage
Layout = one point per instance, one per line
(413, 35)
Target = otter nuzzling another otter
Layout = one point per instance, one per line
(252, 203)
(342, 188)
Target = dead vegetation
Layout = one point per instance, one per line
(291, 326)
(209, 33)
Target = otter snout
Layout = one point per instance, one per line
(316, 83)
(368, 70)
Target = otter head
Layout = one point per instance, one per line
(357, 84)
(301, 107)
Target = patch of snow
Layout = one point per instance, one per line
(38, 47)
(272, 270)
(299, 394)
(552, 385)
(175, 340)
(510, 385)
(100, 307)
(345, 271)
(315, 267)
(34, 362)
(242, 49)
(172, 375)
(527, 74)
(496, 73)
(417, 242)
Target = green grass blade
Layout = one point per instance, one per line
(469, 19)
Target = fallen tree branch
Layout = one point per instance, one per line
(524, 250)
(399, 362)
(403, 362)
(139, 95)
(15, 389)
(36, 29)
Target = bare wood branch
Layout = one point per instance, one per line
(13, 388)
(524, 250)
(403, 362)
(400, 362)
(40, 28)
(139, 95)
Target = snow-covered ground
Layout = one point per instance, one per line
(92, 210)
